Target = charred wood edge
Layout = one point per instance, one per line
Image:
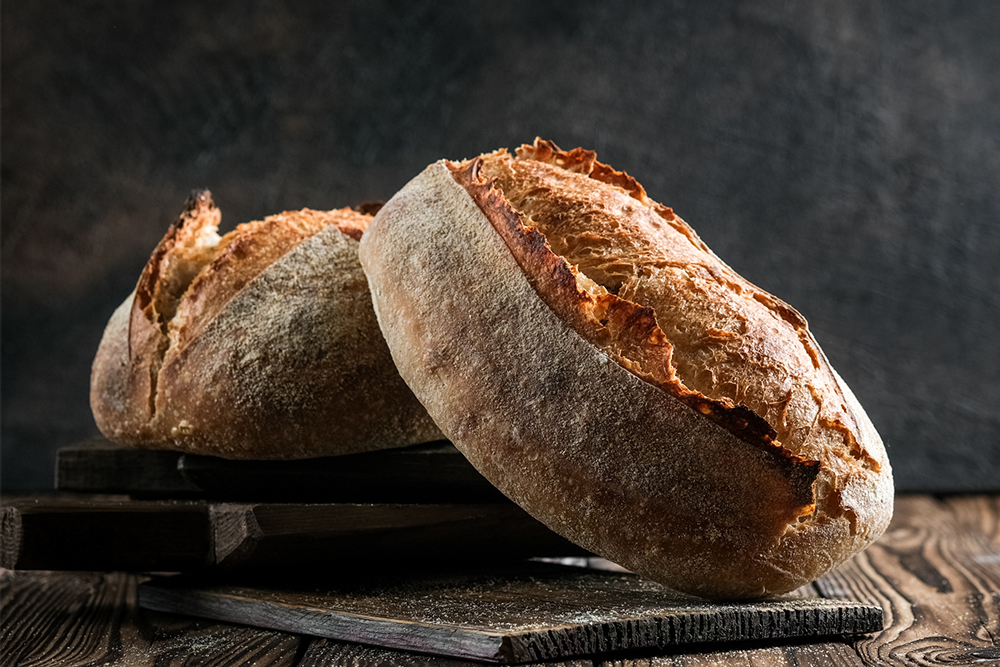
(802, 652)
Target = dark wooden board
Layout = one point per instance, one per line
(430, 473)
(818, 654)
(532, 613)
(352, 535)
(101, 466)
(132, 535)
(66, 534)
(329, 653)
(73, 618)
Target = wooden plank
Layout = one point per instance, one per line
(328, 653)
(825, 654)
(272, 535)
(936, 573)
(101, 466)
(62, 534)
(72, 618)
(978, 515)
(141, 536)
(59, 618)
(430, 473)
(791, 654)
(535, 613)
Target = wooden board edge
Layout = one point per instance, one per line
(810, 623)
(11, 533)
(451, 642)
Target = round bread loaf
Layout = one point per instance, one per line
(602, 367)
(261, 344)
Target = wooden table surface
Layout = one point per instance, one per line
(935, 573)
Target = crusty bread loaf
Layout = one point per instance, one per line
(596, 362)
(261, 344)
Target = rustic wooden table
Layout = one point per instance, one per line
(935, 573)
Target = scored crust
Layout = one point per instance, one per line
(261, 344)
(641, 398)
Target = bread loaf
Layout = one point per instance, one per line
(602, 367)
(261, 344)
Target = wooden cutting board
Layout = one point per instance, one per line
(537, 612)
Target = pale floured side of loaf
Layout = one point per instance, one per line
(260, 345)
(586, 440)
(726, 347)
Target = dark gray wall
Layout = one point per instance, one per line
(843, 155)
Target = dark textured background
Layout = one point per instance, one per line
(843, 155)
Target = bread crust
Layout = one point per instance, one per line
(259, 345)
(574, 400)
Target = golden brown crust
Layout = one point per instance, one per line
(735, 343)
(261, 344)
(595, 361)
(627, 331)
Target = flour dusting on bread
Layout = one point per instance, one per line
(261, 343)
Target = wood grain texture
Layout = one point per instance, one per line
(530, 613)
(328, 653)
(977, 515)
(67, 619)
(936, 573)
(797, 655)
